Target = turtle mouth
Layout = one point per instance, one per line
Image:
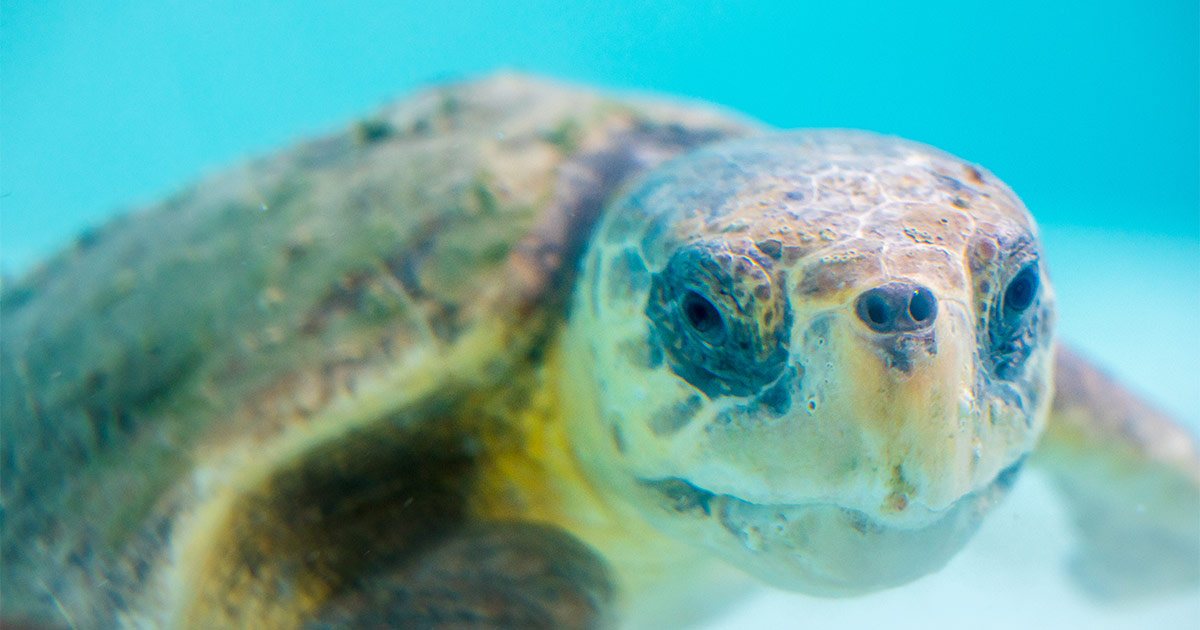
(824, 548)
(684, 497)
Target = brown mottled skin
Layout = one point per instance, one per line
(317, 390)
(434, 254)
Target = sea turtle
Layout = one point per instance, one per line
(513, 354)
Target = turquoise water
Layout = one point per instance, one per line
(1090, 110)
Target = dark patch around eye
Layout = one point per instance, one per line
(1014, 324)
(723, 318)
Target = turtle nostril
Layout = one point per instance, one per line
(922, 306)
(877, 309)
(897, 307)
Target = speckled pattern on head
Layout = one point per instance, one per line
(807, 335)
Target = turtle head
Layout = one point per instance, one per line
(821, 354)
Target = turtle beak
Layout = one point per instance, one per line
(917, 358)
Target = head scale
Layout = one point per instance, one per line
(821, 354)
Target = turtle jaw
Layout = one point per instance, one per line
(824, 548)
(879, 482)
(887, 425)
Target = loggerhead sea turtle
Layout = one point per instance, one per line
(511, 354)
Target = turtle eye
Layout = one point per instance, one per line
(722, 317)
(1022, 290)
(702, 316)
(1012, 329)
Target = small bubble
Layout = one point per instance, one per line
(812, 405)
(262, 207)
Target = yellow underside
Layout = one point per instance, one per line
(533, 478)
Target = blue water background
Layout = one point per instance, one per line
(1090, 110)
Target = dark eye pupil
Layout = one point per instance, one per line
(701, 314)
(1021, 290)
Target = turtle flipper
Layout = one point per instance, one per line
(1131, 479)
(487, 576)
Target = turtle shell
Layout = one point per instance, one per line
(274, 361)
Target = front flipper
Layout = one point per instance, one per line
(486, 577)
(1131, 479)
